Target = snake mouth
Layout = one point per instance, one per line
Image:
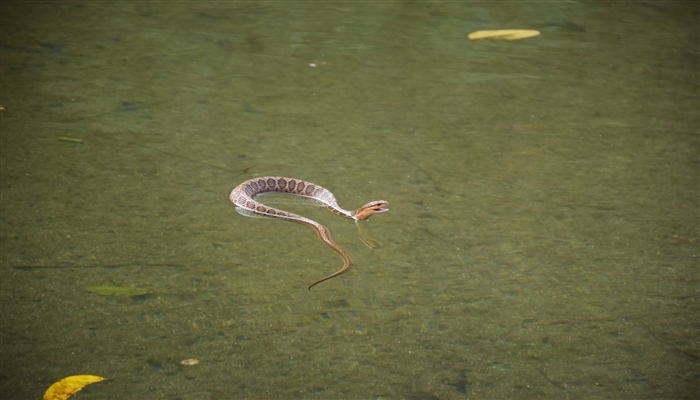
(377, 206)
(370, 208)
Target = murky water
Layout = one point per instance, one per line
(543, 234)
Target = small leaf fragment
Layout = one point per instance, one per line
(116, 290)
(65, 388)
(70, 139)
(504, 34)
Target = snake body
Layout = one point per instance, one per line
(243, 197)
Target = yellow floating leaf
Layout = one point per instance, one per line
(65, 388)
(117, 290)
(504, 34)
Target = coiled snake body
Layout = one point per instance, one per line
(243, 196)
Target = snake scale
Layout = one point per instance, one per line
(243, 197)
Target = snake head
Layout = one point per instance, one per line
(370, 208)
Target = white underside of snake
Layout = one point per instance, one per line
(243, 196)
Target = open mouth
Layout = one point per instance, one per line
(378, 206)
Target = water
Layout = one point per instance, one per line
(542, 238)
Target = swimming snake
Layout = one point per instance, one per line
(243, 196)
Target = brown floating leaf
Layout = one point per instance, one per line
(504, 34)
(65, 388)
(117, 290)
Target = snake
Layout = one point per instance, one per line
(243, 197)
